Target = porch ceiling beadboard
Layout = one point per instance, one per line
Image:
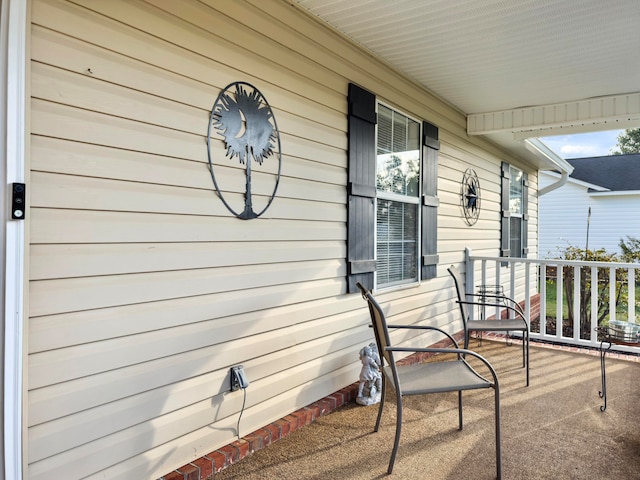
(571, 66)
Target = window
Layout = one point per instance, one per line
(514, 211)
(392, 195)
(398, 198)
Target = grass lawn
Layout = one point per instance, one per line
(621, 307)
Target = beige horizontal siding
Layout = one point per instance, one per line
(70, 295)
(83, 160)
(66, 261)
(234, 321)
(81, 193)
(80, 90)
(119, 155)
(67, 433)
(144, 289)
(83, 226)
(174, 46)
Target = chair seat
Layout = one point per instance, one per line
(436, 377)
(510, 324)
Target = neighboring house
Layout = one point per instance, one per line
(142, 289)
(607, 187)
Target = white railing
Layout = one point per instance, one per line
(526, 280)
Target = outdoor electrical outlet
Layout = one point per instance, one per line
(238, 378)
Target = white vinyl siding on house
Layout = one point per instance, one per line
(564, 215)
(143, 289)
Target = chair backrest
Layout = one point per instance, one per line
(460, 291)
(380, 329)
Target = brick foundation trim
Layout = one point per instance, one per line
(206, 466)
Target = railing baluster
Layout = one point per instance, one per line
(484, 281)
(527, 290)
(469, 273)
(612, 293)
(577, 277)
(512, 287)
(559, 300)
(594, 303)
(498, 282)
(543, 300)
(631, 294)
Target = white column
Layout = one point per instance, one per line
(13, 64)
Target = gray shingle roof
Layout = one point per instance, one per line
(615, 172)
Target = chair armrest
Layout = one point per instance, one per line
(508, 307)
(426, 327)
(458, 351)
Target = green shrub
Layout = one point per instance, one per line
(587, 283)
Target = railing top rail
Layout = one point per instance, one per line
(556, 261)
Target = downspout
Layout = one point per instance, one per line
(565, 168)
(564, 176)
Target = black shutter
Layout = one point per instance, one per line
(525, 214)
(505, 246)
(430, 202)
(361, 188)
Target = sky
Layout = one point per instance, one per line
(594, 144)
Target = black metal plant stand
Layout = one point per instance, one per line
(610, 337)
(603, 373)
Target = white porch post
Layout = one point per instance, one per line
(13, 64)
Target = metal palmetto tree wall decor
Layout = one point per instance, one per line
(470, 196)
(243, 119)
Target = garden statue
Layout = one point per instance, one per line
(370, 376)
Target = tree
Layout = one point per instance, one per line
(631, 253)
(630, 249)
(628, 142)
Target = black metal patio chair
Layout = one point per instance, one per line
(454, 375)
(518, 321)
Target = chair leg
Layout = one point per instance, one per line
(459, 409)
(527, 367)
(498, 436)
(381, 406)
(396, 442)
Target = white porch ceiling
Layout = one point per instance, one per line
(516, 68)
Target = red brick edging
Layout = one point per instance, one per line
(211, 463)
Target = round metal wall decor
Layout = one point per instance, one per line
(242, 127)
(470, 196)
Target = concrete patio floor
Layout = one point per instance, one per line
(553, 429)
